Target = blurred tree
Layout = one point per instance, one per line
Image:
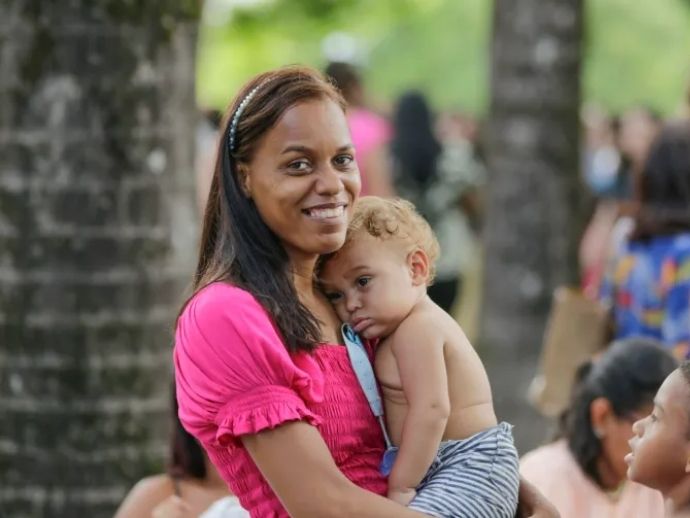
(96, 131)
(635, 52)
(532, 148)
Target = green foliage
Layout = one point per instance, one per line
(635, 52)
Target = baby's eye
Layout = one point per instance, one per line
(653, 418)
(363, 281)
(334, 296)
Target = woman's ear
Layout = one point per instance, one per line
(418, 266)
(244, 180)
(600, 413)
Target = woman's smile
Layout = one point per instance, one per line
(326, 211)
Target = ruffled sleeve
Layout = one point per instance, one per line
(234, 375)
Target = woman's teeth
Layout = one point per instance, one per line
(326, 213)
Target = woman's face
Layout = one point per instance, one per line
(615, 445)
(303, 178)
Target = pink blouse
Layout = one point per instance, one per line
(234, 377)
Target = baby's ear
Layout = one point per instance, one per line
(418, 265)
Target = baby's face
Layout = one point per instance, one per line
(370, 285)
(660, 446)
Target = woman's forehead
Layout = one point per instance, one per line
(318, 119)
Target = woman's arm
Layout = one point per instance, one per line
(297, 464)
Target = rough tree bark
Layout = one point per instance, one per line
(97, 224)
(531, 230)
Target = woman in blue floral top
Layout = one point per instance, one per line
(648, 280)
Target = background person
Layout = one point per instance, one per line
(442, 180)
(370, 131)
(648, 279)
(584, 472)
(190, 486)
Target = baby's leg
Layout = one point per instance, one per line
(475, 477)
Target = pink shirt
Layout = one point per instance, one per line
(234, 377)
(554, 471)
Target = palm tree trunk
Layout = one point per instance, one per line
(533, 156)
(97, 224)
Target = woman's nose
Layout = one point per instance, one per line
(329, 181)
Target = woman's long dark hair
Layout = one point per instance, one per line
(186, 457)
(664, 195)
(414, 147)
(236, 245)
(628, 375)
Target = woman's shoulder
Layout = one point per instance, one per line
(221, 303)
(222, 292)
(553, 458)
(222, 321)
(145, 495)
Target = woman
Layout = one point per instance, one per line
(442, 182)
(648, 282)
(263, 380)
(584, 473)
(190, 488)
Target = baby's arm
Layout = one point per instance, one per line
(418, 351)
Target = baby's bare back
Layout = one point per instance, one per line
(469, 391)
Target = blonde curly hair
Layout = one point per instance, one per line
(385, 219)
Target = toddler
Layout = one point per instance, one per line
(436, 393)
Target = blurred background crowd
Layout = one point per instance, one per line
(546, 142)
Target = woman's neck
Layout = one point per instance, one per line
(608, 477)
(302, 267)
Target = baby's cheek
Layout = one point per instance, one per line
(340, 311)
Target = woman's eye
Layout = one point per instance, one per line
(344, 160)
(363, 281)
(299, 166)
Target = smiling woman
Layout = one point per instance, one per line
(263, 380)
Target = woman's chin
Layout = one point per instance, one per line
(330, 243)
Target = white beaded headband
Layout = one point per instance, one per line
(238, 114)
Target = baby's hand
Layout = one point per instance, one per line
(402, 496)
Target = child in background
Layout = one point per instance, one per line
(436, 393)
(660, 456)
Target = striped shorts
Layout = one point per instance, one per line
(477, 477)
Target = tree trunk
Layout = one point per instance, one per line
(97, 225)
(533, 156)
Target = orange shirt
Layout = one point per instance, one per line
(553, 469)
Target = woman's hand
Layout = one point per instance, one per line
(532, 504)
(172, 507)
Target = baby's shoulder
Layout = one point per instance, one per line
(421, 324)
